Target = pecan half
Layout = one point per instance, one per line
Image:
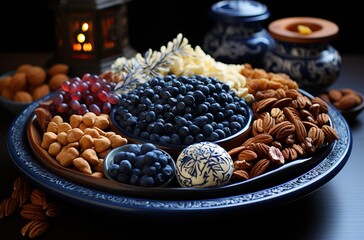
(268, 122)
(33, 212)
(324, 108)
(38, 197)
(264, 104)
(261, 138)
(52, 209)
(35, 228)
(281, 103)
(330, 133)
(261, 149)
(247, 155)
(235, 151)
(240, 175)
(317, 135)
(259, 168)
(8, 207)
(242, 165)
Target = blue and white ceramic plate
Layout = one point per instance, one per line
(278, 190)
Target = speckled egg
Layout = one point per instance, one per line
(204, 164)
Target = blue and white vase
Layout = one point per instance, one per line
(239, 35)
(309, 59)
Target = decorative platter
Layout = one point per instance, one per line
(277, 187)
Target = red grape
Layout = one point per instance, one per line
(81, 95)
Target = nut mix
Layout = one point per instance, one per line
(82, 143)
(343, 99)
(287, 125)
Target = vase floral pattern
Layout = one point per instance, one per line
(238, 43)
(313, 66)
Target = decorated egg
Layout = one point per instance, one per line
(204, 164)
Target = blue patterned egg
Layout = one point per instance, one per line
(204, 164)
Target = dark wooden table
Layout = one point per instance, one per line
(333, 212)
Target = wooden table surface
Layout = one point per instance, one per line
(335, 211)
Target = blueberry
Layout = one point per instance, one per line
(165, 139)
(123, 178)
(214, 137)
(188, 140)
(150, 116)
(136, 171)
(207, 129)
(167, 171)
(134, 180)
(139, 163)
(163, 160)
(158, 108)
(146, 181)
(180, 121)
(199, 96)
(134, 148)
(113, 170)
(201, 121)
(158, 152)
(168, 128)
(202, 109)
(159, 179)
(150, 158)
(146, 147)
(131, 156)
(194, 129)
(154, 137)
(183, 131)
(157, 166)
(221, 133)
(125, 167)
(175, 139)
(189, 100)
(119, 156)
(144, 135)
(149, 170)
(200, 138)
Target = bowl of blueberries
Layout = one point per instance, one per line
(174, 112)
(141, 165)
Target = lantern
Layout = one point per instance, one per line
(91, 34)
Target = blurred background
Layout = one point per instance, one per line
(29, 25)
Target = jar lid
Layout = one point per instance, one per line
(315, 30)
(240, 11)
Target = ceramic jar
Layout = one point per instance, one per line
(302, 50)
(239, 35)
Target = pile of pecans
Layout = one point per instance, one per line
(342, 99)
(287, 125)
(33, 204)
